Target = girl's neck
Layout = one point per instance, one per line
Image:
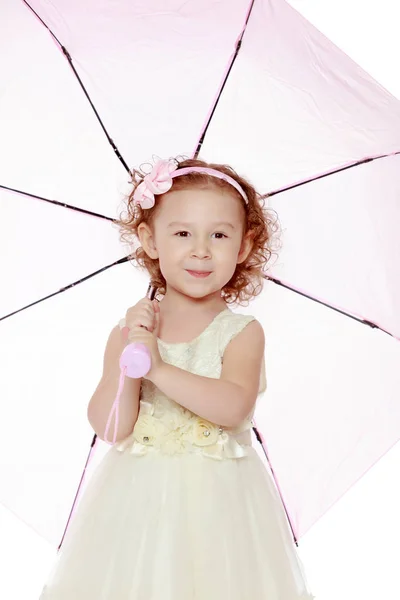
(176, 302)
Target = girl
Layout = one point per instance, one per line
(181, 507)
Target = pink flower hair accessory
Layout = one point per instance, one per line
(159, 181)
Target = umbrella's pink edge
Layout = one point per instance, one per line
(348, 489)
(338, 307)
(277, 484)
(297, 534)
(29, 525)
(80, 490)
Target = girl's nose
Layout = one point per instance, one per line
(200, 249)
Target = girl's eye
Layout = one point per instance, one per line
(219, 235)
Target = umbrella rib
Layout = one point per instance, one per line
(224, 81)
(78, 491)
(69, 59)
(67, 287)
(42, 22)
(57, 203)
(268, 195)
(358, 163)
(262, 443)
(335, 308)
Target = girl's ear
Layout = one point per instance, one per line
(245, 248)
(147, 241)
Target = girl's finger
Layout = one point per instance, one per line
(156, 317)
(138, 337)
(145, 319)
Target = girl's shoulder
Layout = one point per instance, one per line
(231, 325)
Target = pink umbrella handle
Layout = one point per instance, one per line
(137, 360)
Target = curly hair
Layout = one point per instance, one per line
(260, 222)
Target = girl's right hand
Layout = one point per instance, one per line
(141, 315)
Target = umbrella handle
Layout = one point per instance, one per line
(136, 359)
(135, 362)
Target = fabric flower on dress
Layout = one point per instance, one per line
(203, 433)
(148, 429)
(174, 442)
(175, 430)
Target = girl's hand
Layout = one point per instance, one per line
(141, 315)
(143, 322)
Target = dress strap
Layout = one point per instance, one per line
(230, 325)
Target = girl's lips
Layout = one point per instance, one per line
(199, 273)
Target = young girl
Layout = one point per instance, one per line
(181, 507)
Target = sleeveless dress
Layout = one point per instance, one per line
(182, 509)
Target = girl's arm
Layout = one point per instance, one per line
(102, 400)
(226, 401)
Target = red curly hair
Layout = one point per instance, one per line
(260, 222)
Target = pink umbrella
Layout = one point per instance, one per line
(94, 89)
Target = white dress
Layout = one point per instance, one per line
(181, 509)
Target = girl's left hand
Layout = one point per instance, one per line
(140, 335)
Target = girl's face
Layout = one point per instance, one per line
(197, 235)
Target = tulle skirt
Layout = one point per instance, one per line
(182, 527)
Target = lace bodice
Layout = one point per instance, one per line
(165, 426)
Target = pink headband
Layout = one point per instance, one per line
(159, 181)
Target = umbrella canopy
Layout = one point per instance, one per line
(92, 89)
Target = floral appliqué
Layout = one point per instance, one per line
(176, 431)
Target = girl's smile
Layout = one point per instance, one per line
(201, 274)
